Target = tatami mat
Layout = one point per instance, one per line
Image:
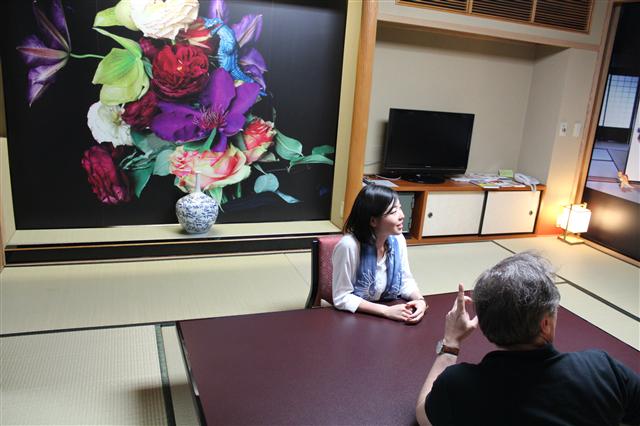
(612, 279)
(101, 377)
(112, 376)
(601, 315)
(302, 262)
(439, 268)
(183, 404)
(73, 296)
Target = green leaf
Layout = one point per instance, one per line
(148, 67)
(310, 159)
(192, 146)
(151, 144)
(266, 183)
(259, 168)
(106, 18)
(132, 46)
(117, 68)
(269, 157)
(163, 163)
(207, 144)
(288, 148)
(123, 12)
(140, 179)
(288, 198)
(112, 94)
(238, 141)
(323, 150)
(216, 194)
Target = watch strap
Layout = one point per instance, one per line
(444, 349)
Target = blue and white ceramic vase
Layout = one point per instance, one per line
(197, 212)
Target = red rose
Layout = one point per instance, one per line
(110, 184)
(180, 70)
(150, 47)
(139, 114)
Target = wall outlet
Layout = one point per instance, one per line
(563, 129)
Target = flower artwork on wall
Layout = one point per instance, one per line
(181, 86)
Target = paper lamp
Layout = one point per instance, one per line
(574, 219)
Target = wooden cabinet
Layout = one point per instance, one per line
(452, 213)
(510, 212)
(459, 211)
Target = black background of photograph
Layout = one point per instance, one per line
(302, 43)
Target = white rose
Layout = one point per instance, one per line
(163, 19)
(107, 126)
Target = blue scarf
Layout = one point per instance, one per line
(365, 285)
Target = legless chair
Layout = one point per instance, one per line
(321, 270)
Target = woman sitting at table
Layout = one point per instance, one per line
(370, 262)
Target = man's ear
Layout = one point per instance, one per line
(548, 327)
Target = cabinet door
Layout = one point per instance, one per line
(510, 212)
(452, 213)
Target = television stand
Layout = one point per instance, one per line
(424, 178)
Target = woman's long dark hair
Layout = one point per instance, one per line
(372, 201)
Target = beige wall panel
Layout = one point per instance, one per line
(348, 82)
(423, 70)
(3, 117)
(7, 223)
(560, 93)
(428, 17)
(543, 109)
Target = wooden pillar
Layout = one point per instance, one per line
(362, 98)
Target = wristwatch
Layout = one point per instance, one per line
(441, 348)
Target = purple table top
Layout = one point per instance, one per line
(322, 366)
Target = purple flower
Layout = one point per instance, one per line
(222, 109)
(218, 9)
(248, 29)
(47, 54)
(254, 65)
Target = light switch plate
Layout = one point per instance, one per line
(577, 129)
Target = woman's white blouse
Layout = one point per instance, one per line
(346, 260)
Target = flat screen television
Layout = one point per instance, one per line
(426, 146)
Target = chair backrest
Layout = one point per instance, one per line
(322, 270)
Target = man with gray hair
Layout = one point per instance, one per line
(528, 381)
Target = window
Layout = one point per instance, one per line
(619, 98)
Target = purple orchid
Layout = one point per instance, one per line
(222, 109)
(218, 9)
(46, 55)
(254, 65)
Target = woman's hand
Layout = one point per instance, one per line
(419, 307)
(399, 312)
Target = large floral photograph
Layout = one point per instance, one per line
(179, 87)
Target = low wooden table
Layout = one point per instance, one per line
(322, 366)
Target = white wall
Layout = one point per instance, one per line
(424, 70)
